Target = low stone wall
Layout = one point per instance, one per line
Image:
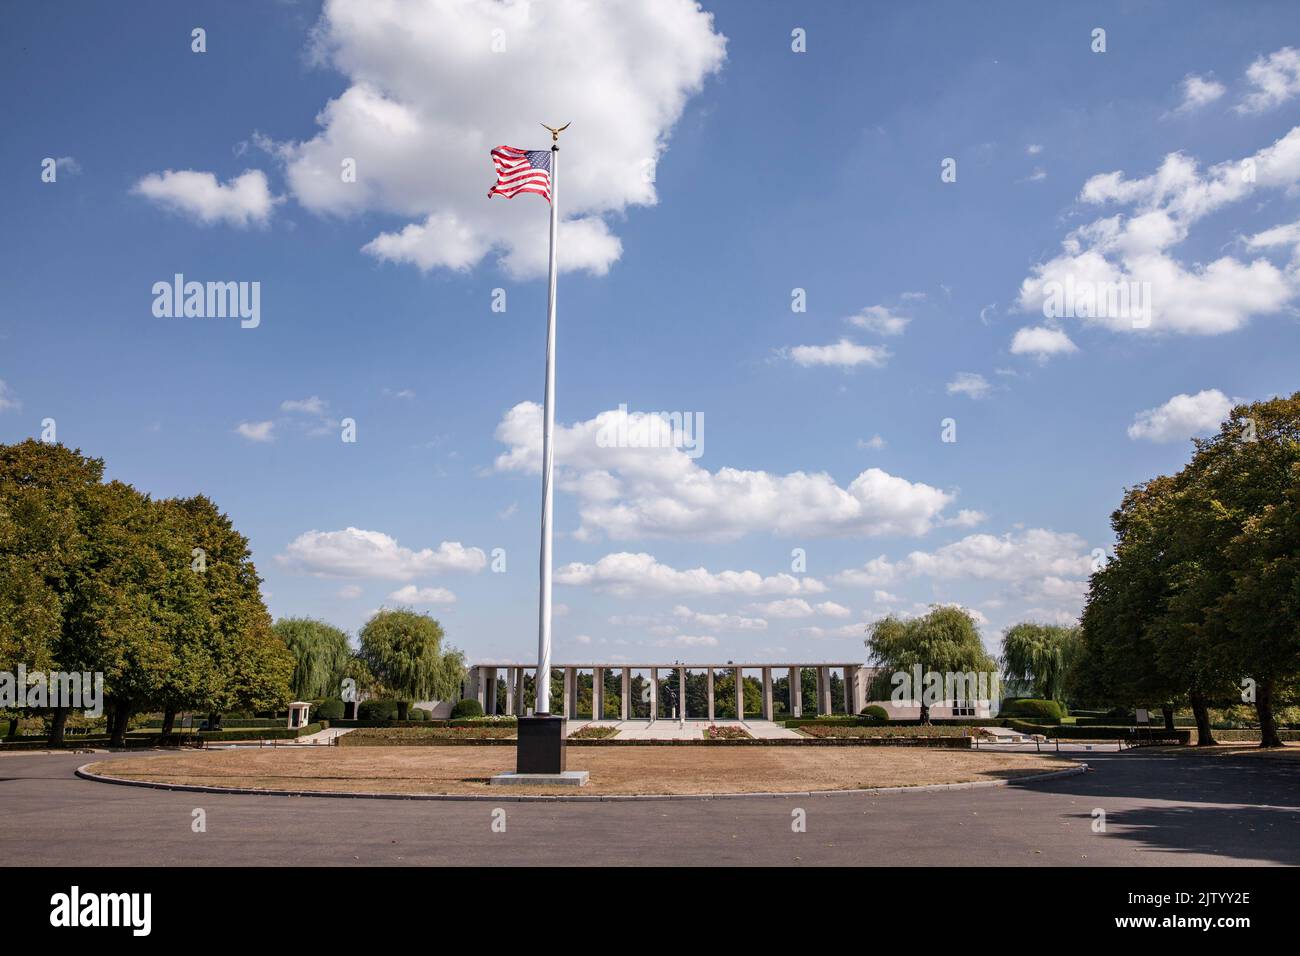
(940, 743)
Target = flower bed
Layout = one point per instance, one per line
(593, 733)
(714, 732)
(884, 730)
(414, 736)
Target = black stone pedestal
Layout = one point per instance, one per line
(541, 744)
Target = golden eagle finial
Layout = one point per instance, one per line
(555, 133)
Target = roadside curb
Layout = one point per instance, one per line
(86, 774)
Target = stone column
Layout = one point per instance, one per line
(851, 704)
(597, 693)
(740, 695)
(681, 693)
(654, 693)
(510, 689)
(824, 705)
(709, 682)
(490, 704)
(767, 693)
(627, 689)
(520, 708)
(796, 692)
(566, 696)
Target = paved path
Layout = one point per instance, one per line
(1160, 810)
(325, 736)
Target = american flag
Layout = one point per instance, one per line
(521, 171)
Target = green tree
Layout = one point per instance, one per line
(45, 518)
(321, 656)
(1170, 616)
(244, 665)
(403, 649)
(1244, 480)
(1118, 660)
(944, 641)
(1040, 655)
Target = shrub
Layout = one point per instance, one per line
(469, 707)
(1043, 711)
(876, 712)
(378, 710)
(329, 709)
(417, 713)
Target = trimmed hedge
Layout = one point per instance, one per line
(377, 710)
(843, 721)
(235, 723)
(877, 730)
(468, 707)
(329, 709)
(875, 712)
(1070, 732)
(1028, 708)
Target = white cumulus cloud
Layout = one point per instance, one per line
(629, 493)
(1182, 417)
(256, 431)
(7, 401)
(244, 200)
(842, 354)
(410, 594)
(971, 384)
(433, 85)
(354, 552)
(1132, 251)
(878, 319)
(626, 574)
(1041, 342)
(1274, 79)
(1199, 91)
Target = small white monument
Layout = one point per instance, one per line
(299, 711)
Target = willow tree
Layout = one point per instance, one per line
(1040, 655)
(944, 641)
(321, 656)
(403, 650)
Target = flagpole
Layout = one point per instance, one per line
(543, 681)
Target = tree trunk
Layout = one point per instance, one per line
(1268, 735)
(58, 722)
(1204, 735)
(1169, 716)
(121, 711)
(169, 720)
(404, 708)
(13, 727)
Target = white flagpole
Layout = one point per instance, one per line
(543, 680)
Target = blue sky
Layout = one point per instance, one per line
(710, 170)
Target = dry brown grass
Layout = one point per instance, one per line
(614, 770)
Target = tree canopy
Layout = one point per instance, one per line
(1040, 655)
(321, 656)
(1202, 597)
(160, 596)
(403, 649)
(945, 641)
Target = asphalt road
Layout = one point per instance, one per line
(1160, 810)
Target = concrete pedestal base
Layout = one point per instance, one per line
(569, 778)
